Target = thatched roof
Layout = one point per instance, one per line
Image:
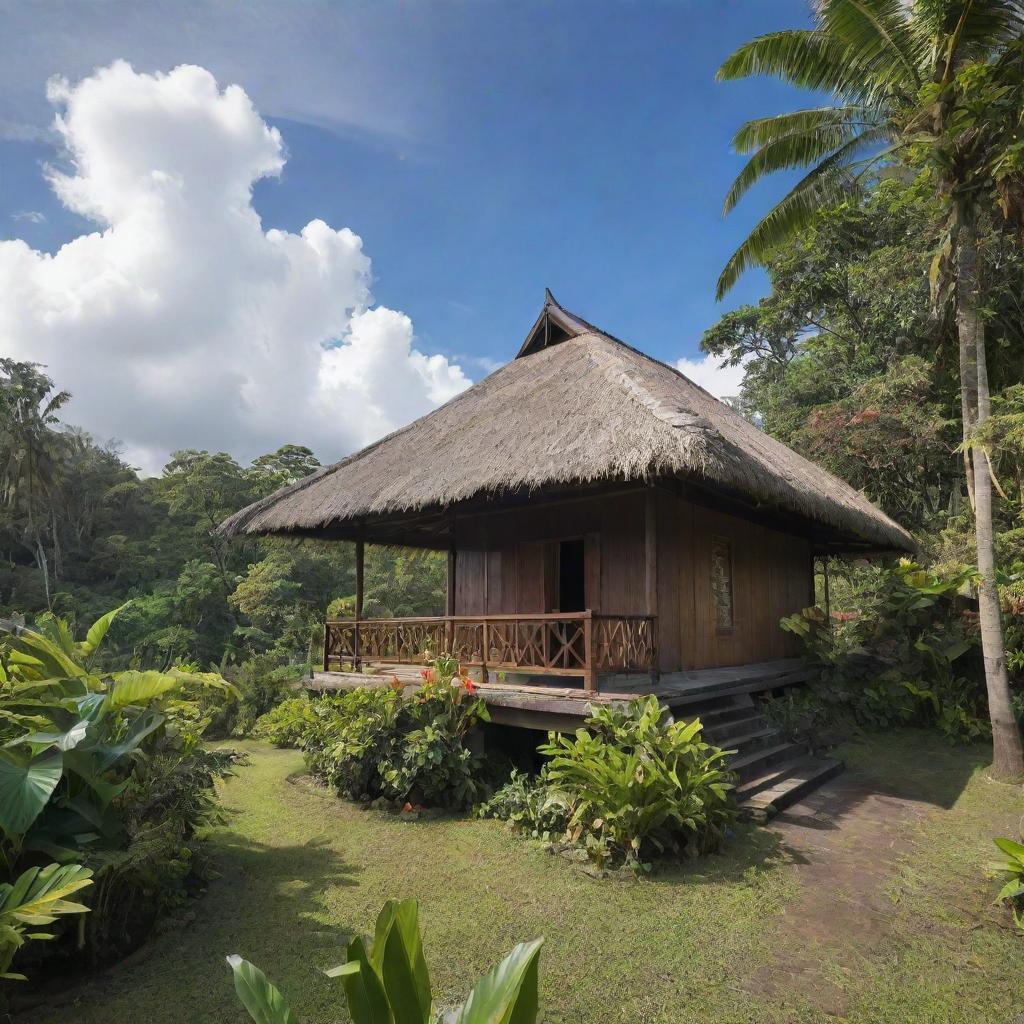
(577, 406)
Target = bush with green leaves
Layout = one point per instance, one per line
(900, 655)
(386, 981)
(386, 741)
(289, 723)
(638, 784)
(262, 682)
(1010, 869)
(36, 898)
(631, 786)
(104, 768)
(529, 804)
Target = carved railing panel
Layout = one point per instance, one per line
(570, 644)
(624, 643)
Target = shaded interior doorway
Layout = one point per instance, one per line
(572, 595)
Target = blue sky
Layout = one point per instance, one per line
(481, 150)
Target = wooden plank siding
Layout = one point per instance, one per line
(506, 563)
(771, 577)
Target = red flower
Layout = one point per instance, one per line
(469, 685)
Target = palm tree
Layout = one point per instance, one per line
(935, 87)
(31, 455)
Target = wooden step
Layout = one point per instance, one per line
(786, 784)
(723, 733)
(691, 695)
(758, 762)
(748, 743)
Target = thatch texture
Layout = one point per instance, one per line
(584, 409)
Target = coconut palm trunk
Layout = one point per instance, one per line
(1007, 750)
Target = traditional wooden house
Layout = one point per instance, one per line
(611, 528)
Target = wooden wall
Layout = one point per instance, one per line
(771, 574)
(503, 559)
(503, 565)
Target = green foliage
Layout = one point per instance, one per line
(104, 767)
(1011, 870)
(36, 898)
(530, 804)
(289, 723)
(632, 785)
(384, 742)
(387, 981)
(899, 656)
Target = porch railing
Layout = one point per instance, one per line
(556, 644)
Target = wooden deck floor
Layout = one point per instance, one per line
(562, 708)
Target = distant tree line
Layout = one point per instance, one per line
(81, 531)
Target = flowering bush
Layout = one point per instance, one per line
(390, 742)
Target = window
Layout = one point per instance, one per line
(721, 583)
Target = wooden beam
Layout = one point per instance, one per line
(651, 572)
(359, 579)
(450, 583)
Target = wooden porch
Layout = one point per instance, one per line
(582, 645)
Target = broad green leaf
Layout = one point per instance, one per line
(66, 740)
(98, 630)
(26, 784)
(145, 724)
(258, 995)
(507, 994)
(140, 687)
(398, 953)
(364, 990)
(1011, 848)
(44, 895)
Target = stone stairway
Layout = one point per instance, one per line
(774, 772)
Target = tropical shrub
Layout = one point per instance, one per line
(638, 784)
(530, 804)
(262, 682)
(36, 898)
(383, 741)
(632, 785)
(902, 656)
(288, 724)
(1011, 869)
(105, 768)
(388, 981)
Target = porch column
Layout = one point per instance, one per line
(651, 571)
(356, 661)
(449, 601)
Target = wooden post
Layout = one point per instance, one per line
(484, 643)
(828, 596)
(449, 626)
(356, 660)
(327, 637)
(590, 671)
(651, 572)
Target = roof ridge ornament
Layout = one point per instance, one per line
(554, 325)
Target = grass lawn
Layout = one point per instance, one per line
(709, 941)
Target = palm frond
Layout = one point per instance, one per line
(763, 130)
(826, 185)
(784, 153)
(837, 145)
(878, 35)
(803, 57)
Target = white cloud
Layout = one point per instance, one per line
(721, 381)
(32, 216)
(181, 322)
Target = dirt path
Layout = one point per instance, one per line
(850, 843)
